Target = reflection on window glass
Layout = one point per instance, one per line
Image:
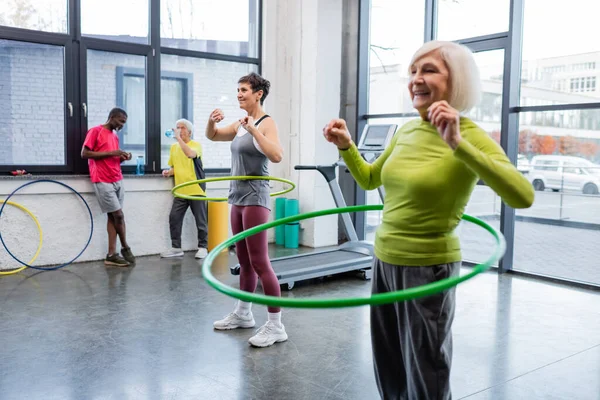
(487, 113)
(397, 31)
(32, 121)
(192, 88)
(461, 19)
(132, 99)
(226, 27)
(47, 15)
(560, 66)
(557, 144)
(119, 80)
(558, 235)
(124, 21)
(173, 106)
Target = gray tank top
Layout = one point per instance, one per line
(246, 160)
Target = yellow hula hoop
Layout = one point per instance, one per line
(37, 223)
(230, 178)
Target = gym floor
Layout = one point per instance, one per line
(90, 332)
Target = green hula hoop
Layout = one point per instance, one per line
(376, 299)
(230, 178)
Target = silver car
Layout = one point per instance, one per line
(564, 173)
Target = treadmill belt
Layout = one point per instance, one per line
(320, 261)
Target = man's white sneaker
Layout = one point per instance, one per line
(234, 321)
(201, 253)
(172, 253)
(268, 334)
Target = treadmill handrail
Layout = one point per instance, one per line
(328, 171)
(305, 167)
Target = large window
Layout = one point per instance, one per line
(560, 65)
(120, 20)
(540, 101)
(32, 121)
(226, 27)
(459, 19)
(559, 141)
(65, 64)
(47, 15)
(118, 80)
(396, 31)
(562, 155)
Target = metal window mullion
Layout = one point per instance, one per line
(555, 107)
(153, 91)
(362, 103)
(114, 46)
(430, 32)
(509, 137)
(210, 56)
(30, 36)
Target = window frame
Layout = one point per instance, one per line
(52, 39)
(187, 97)
(511, 111)
(75, 82)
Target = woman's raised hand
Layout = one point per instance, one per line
(336, 132)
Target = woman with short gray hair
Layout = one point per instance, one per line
(185, 160)
(429, 171)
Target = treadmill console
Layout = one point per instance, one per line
(375, 138)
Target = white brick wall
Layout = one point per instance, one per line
(102, 82)
(6, 114)
(65, 220)
(32, 98)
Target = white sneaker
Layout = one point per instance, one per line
(201, 253)
(268, 334)
(234, 321)
(172, 253)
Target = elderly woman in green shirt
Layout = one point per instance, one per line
(428, 171)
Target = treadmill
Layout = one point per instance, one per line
(353, 255)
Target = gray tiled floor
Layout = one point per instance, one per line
(88, 332)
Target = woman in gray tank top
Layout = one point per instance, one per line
(254, 142)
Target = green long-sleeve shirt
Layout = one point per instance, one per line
(427, 187)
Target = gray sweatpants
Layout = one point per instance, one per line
(412, 340)
(178, 211)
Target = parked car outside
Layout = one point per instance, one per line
(560, 173)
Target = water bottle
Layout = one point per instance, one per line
(140, 166)
(170, 133)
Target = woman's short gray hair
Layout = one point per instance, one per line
(464, 81)
(188, 124)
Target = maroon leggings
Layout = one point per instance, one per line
(253, 252)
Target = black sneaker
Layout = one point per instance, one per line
(116, 260)
(128, 255)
